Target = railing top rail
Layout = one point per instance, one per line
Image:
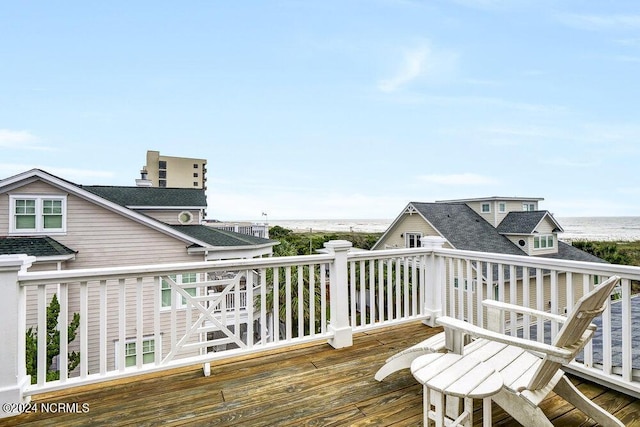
(387, 253)
(93, 274)
(626, 271)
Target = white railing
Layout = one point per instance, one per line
(147, 318)
(256, 230)
(549, 285)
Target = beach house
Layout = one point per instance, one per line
(68, 226)
(503, 225)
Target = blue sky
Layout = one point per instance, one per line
(332, 109)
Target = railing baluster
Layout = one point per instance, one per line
(381, 278)
(588, 348)
(158, 353)
(389, 289)
(122, 319)
(606, 340)
(480, 292)
(363, 295)
(513, 298)
(276, 304)
(103, 310)
(323, 297)
(540, 304)
(526, 297)
(263, 306)
(415, 283)
(405, 287)
(42, 335)
(248, 296)
(397, 287)
(301, 301)
(84, 330)
(288, 316)
(553, 299)
(627, 338)
(372, 292)
(63, 322)
(139, 322)
(352, 293)
(312, 300)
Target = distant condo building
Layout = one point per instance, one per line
(173, 172)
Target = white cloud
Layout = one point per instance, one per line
(20, 139)
(458, 179)
(413, 66)
(419, 63)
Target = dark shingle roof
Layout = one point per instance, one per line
(465, 229)
(150, 196)
(34, 246)
(216, 237)
(523, 222)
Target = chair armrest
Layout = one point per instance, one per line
(503, 306)
(460, 327)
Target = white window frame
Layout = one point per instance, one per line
(178, 278)
(502, 207)
(487, 205)
(416, 235)
(39, 200)
(543, 242)
(474, 283)
(134, 355)
(528, 207)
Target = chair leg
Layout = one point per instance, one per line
(521, 410)
(571, 394)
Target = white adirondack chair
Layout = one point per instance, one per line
(531, 370)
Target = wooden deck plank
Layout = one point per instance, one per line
(310, 385)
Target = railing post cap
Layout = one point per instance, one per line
(338, 245)
(16, 262)
(432, 241)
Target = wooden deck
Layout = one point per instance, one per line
(314, 385)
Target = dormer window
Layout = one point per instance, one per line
(486, 208)
(543, 242)
(412, 240)
(528, 207)
(502, 207)
(38, 214)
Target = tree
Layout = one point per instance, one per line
(53, 343)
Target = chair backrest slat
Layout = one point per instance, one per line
(584, 311)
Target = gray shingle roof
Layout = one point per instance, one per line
(34, 246)
(150, 196)
(465, 229)
(523, 222)
(216, 237)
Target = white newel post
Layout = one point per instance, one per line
(434, 283)
(339, 295)
(13, 374)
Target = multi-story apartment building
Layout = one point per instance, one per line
(175, 172)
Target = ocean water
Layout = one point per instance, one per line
(575, 228)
